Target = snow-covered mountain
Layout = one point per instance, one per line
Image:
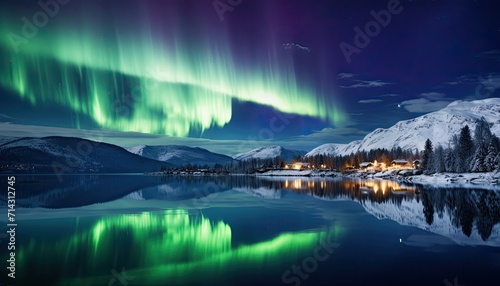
(410, 213)
(71, 155)
(328, 149)
(5, 139)
(269, 153)
(180, 155)
(438, 126)
(450, 210)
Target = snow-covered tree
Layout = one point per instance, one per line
(489, 161)
(438, 164)
(482, 133)
(478, 160)
(497, 162)
(449, 160)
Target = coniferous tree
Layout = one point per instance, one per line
(489, 161)
(478, 160)
(465, 149)
(496, 142)
(482, 133)
(454, 140)
(449, 160)
(384, 159)
(438, 164)
(497, 162)
(398, 152)
(427, 155)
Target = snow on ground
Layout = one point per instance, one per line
(286, 173)
(309, 173)
(489, 180)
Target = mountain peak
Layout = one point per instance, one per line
(439, 126)
(180, 155)
(269, 152)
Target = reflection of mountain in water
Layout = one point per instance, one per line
(74, 190)
(462, 216)
(195, 187)
(81, 190)
(468, 216)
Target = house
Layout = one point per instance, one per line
(365, 165)
(300, 165)
(400, 163)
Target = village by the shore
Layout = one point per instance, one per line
(399, 170)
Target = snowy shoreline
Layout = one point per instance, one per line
(489, 180)
(300, 173)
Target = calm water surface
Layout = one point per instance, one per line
(240, 230)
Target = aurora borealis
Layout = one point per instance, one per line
(181, 70)
(152, 80)
(168, 245)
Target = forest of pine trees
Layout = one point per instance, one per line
(465, 153)
(354, 159)
(340, 163)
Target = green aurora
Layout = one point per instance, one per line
(164, 246)
(145, 80)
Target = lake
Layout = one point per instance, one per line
(130, 229)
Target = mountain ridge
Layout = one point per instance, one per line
(438, 126)
(180, 155)
(71, 155)
(270, 152)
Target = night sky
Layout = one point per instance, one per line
(232, 75)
